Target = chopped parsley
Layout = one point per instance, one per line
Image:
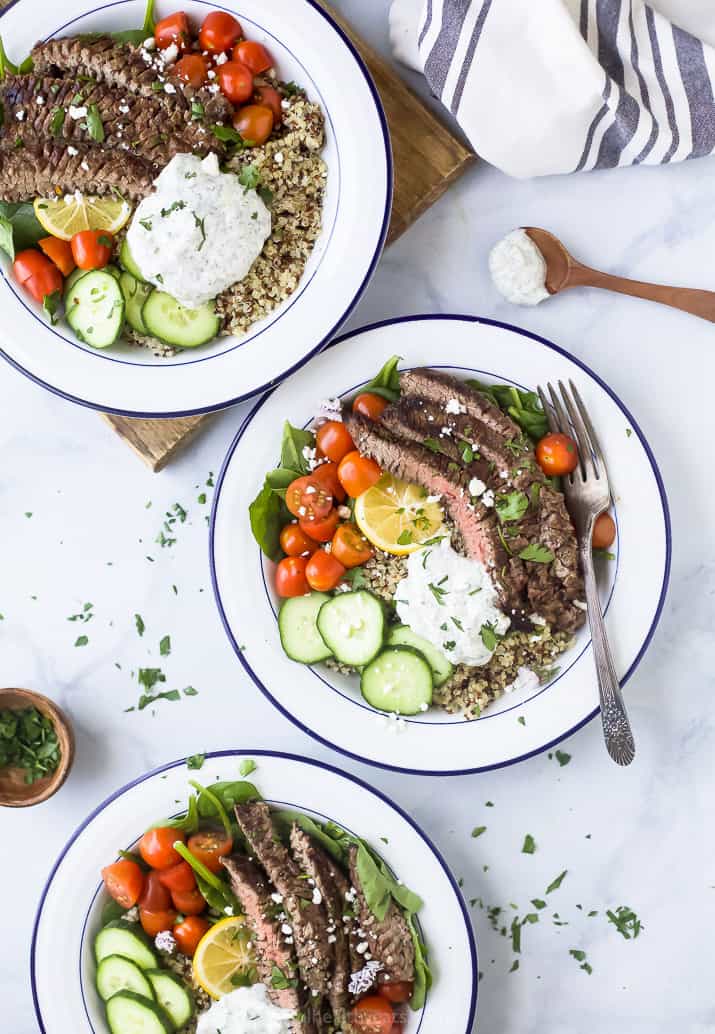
(57, 121)
(437, 593)
(562, 757)
(489, 636)
(28, 740)
(175, 206)
(81, 640)
(529, 845)
(165, 646)
(580, 956)
(146, 223)
(247, 766)
(556, 883)
(200, 223)
(139, 622)
(478, 830)
(404, 538)
(536, 554)
(196, 761)
(94, 124)
(625, 921)
(511, 506)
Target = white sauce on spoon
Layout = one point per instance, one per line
(518, 269)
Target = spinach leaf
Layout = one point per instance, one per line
(6, 65)
(188, 823)
(111, 912)
(215, 802)
(285, 819)
(137, 36)
(387, 382)
(524, 407)
(295, 439)
(7, 242)
(228, 135)
(216, 891)
(265, 513)
(228, 794)
(279, 479)
(268, 512)
(379, 886)
(26, 230)
(423, 974)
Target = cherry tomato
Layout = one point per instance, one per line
(372, 1015)
(334, 440)
(210, 847)
(174, 29)
(270, 98)
(236, 82)
(178, 877)
(189, 902)
(92, 249)
(321, 530)
(370, 405)
(156, 922)
(358, 473)
(157, 847)
(294, 541)
(219, 32)
(189, 933)
(557, 454)
(323, 571)
(59, 252)
(308, 499)
(326, 474)
(124, 881)
(192, 69)
(290, 577)
(37, 274)
(398, 992)
(254, 55)
(604, 531)
(350, 546)
(254, 123)
(155, 897)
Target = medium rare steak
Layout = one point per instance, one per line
(389, 941)
(48, 170)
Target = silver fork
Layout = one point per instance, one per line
(588, 495)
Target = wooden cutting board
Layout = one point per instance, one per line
(427, 159)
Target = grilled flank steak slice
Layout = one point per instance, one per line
(48, 170)
(123, 67)
(388, 940)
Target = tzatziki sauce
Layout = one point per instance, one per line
(199, 232)
(247, 1010)
(449, 600)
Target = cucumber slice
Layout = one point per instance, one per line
(442, 670)
(127, 262)
(172, 996)
(353, 626)
(115, 973)
(399, 680)
(135, 295)
(72, 279)
(127, 940)
(95, 309)
(170, 322)
(130, 1012)
(298, 628)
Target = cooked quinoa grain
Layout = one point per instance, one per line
(182, 967)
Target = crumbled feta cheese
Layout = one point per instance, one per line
(221, 59)
(169, 88)
(72, 151)
(165, 941)
(84, 165)
(278, 158)
(580, 605)
(454, 407)
(526, 679)
(149, 43)
(363, 980)
(131, 915)
(20, 115)
(330, 408)
(287, 929)
(170, 54)
(211, 74)
(488, 497)
(77, 113)
(317, 897)
(213, 88)
(536, 619)
(228, 910)
(476, 487)
(40, 100)
(285, 104)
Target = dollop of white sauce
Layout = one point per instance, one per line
(447, 599)
(247, 1010)
(518, 269)
(199, 232)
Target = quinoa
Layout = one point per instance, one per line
(183, 968)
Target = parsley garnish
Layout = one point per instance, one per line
(580, 956)
(165, 646)
(247, 766)
(478, 830)
(196, 761)
(249, 177)
(437, 593)
(489, 636)
(57, 121)
(202, 228)
(511, 506)
(94, 124)
(81, 640)
(146, 223)
(28, 740)
(529, 845)
(555, 884)
(197, 109)
(404, 538)
(175, 206)
(139, 621)
(536, 554)
(625, 921)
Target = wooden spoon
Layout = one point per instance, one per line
(563, 270)
(14, 791)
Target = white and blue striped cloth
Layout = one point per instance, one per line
(553, 86)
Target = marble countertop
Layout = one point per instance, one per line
(79, 515)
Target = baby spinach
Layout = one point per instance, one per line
(188, 823)
(216, 891)
(524, 407)
(294, 441)
(215, 802)
(134, 36)
(26, 230)
(7, 242)
(285, 819)
(268, 513)
(423, 974)
(387, 382)
(228, 794)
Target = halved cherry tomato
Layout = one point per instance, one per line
(372, 1015)
(334, 440)
(37, 274)
(351, 548)
(254, 55)
(604, 531)
(326, 474)
(210, 847)
(157, 847)
(254, 123)
(59, 252)
(174, 29)
(308, 499)
(92, 249)
(155, 897)
(270, 97)
(124, 881)
(189, 902)
(358, 473)
(321, 530)
(323, 571)
(156, 922)
(290, 577)
(219, 32)
(398, 992)
(178, 877)
(370, 405)
(192, 69)
(188, 934)
(557, 454)
(294, 541)
(236, 82)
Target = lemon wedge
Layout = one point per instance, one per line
(223, 959)
(63, 217)
(397, 516)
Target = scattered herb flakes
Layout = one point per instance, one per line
(489, 804)
(529, 845)
(246, 767)
(81, 640)
(536, 554)
(562, 757)
(538, 903)
(489, 636)
(139, 622)
(555, 884)
(146, 698)
(521, 720)
(516, 935)
(580, 956)
(201, 498)
(84, 615)
(196, 761)
(405, 538)
(478, 830)
(165, 646)
(28, 513)
(514, 966)
(189, 691)
(629, 432)
(625, 921)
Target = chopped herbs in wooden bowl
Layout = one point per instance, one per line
(36, 748)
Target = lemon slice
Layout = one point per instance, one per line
(397, 516)
(63, 217)
(223, 959)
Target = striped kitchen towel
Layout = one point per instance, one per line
(547, 86)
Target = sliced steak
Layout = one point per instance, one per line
(46, 109)
(128, 69)
(48, 170)
(441, 388)
(273, 950)
(388, 941)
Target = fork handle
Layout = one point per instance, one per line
(616, 727)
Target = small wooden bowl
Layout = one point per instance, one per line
(14, 791)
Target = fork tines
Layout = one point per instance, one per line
(568, 415)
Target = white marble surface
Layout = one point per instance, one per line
(651, 840)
